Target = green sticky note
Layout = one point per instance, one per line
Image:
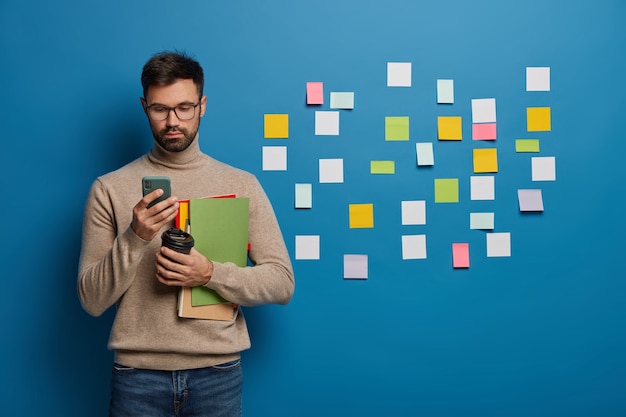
(382, 167)
(526, 145)
(446, 190)
(482, 221)
(397, 128)
(342, 100)
(304, 196)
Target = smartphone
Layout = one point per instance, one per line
(151, 183)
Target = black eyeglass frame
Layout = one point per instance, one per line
(169, 109)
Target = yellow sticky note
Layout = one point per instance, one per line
(449, 128)
(446, 190)
(538, 119)
(485, 160)
(396, 128)
(276, 126)
(382, 167)
(361, 216)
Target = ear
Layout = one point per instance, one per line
(202, 106)
(144, 104)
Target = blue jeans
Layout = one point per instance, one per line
(207, 392)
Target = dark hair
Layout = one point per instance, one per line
(165, 68)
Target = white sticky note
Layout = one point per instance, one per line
(425, 155)
(307, 247)
(304, 196)
(355, 266)
(498, 244)
(484, 110)
(482, 187)
(274, 158)
(538, 79)
(331, 170)
(482, 221)
(414, 212)
(341, 100)
(445, 91)
(530, 200)
(398, 74)
(414, 247)
(543, 168)
(327, 123)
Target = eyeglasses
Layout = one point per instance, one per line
(159, 112)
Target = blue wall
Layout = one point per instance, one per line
(539, 333)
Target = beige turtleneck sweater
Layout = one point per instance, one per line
(118, 267)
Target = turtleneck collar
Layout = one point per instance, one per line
(186, 158)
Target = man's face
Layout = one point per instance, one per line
(174, 134)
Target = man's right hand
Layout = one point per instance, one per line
(148, 221)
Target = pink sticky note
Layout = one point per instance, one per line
(460, 255)
(314, 93)
(484, 131)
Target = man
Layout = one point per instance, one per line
(166, 365)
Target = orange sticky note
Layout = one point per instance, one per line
(314, 93)
(276, 126)
(460, 255)
(485, 160)
(449, 128)
(538, 119)
(361, 216)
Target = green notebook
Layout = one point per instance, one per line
(219, 227)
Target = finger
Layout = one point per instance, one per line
(150, 197)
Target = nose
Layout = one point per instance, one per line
(172, 118)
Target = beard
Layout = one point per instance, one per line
(178, 144)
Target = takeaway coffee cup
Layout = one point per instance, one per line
(177, 240)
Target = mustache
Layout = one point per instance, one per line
(172, 129)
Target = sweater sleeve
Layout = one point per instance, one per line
(270, 279)
(108, 261)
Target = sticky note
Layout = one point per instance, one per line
(342, 100)
(304, 196)
(396, 128)
(382, 167)
(485, 160)
(413, 212)
(449, 128)
(327, 123)
(538, 79)
(425, 155)
(483, 131)
(460, 255)
(446, 190)
(538, 119)
(413, 247)
(398, 74)
(530, 200)
(361, 216)
(543, 168)
(526, 145)
(307, 247)
(445, 91)
(482, 221)
(331, 170)
(498, 244)
(484, 110)
(355, 266)
(482, 187)
(314, 93)
(276, 126)
(274, 158)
